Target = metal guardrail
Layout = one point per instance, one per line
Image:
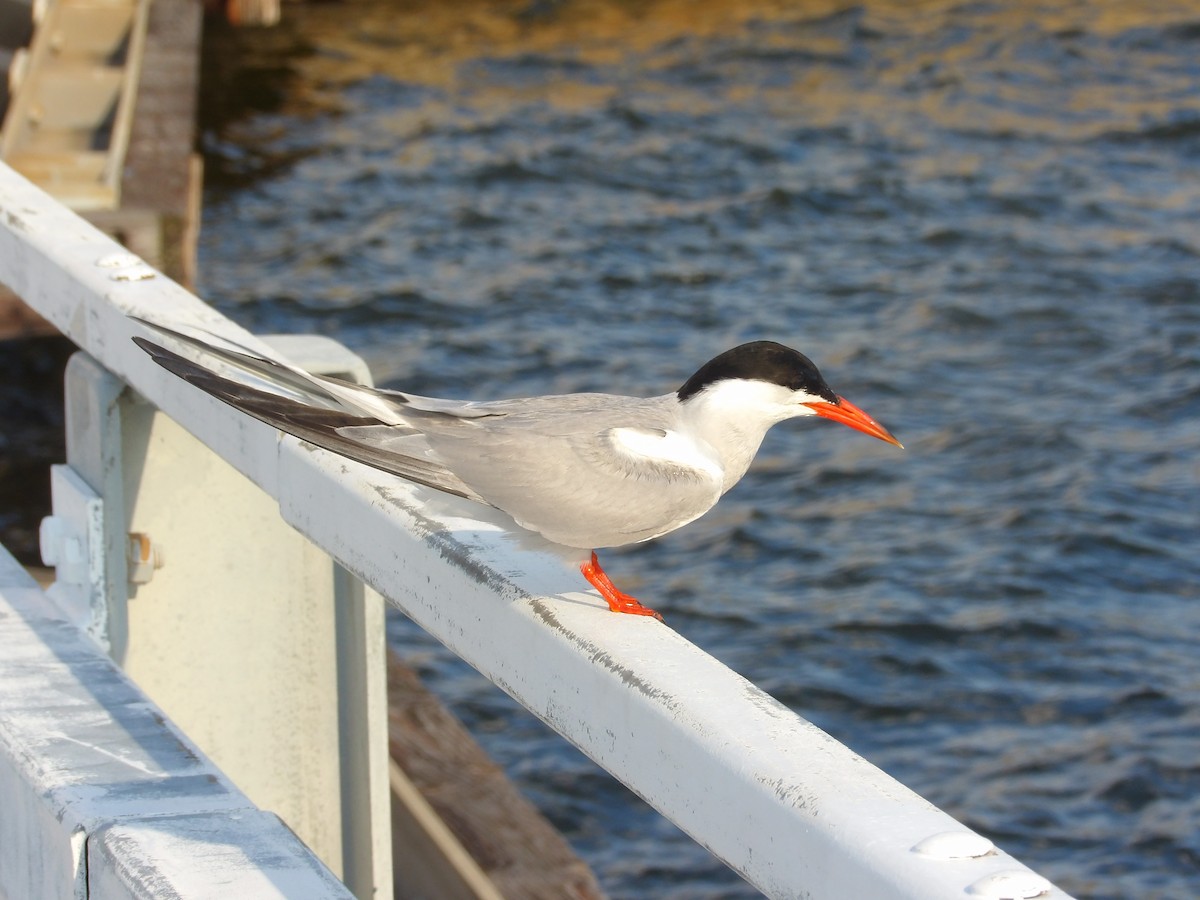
(783, 803)
(103, 797)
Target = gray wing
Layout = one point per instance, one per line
(552, 464)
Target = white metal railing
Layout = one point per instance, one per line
(783, 803)
(103, 796)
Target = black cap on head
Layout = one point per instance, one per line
(761, 361)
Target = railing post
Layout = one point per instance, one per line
(262, 648)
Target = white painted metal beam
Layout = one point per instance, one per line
(794, 811)
(103, 797)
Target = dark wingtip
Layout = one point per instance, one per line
(160, 354)
(157, 353)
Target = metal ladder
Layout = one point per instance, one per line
(69, 117)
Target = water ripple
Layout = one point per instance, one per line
(978, 218)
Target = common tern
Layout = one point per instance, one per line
(586, 471)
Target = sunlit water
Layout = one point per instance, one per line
(981, 220)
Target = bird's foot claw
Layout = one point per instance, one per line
(618, 601)
(631, 606)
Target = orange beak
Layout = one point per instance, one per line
(849, 414)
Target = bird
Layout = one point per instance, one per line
(588, 471)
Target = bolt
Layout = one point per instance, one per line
(51, 534)
(954, 845)
(1015, 884)
(118, 260)
(129, 266)
(143, 556)
(134, 273)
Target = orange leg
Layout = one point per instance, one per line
(617, 600)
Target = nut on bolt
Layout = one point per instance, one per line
(144, 556)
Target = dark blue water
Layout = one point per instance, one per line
(981, 220)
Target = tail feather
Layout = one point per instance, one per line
(316, 424)
(334, 393)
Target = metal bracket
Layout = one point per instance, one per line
(72, 541)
